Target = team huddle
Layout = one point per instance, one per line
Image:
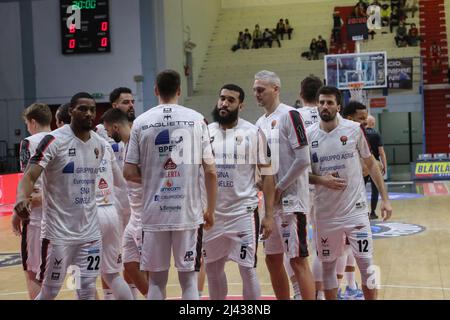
(118, 200)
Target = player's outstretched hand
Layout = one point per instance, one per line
(333, 182)
(209, 219)
(22, 209)
(266, 227)
(386, 210)
(16, 224)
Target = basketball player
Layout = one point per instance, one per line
(69, 158)
(160, 155)
(284, 130)
(62, 115)
(240, 149)
(310, 115)
(122, 98)
(336, 146)
(38, 118)
(110, 176)
(118, 127)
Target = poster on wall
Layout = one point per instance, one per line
(400, 73)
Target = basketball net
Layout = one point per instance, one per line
(357, 93)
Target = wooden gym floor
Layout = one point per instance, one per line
(413, 266)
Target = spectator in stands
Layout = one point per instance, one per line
(257, 37)
(275, 37)
(247, 39)
(342, 49)
(435, 53)
(395, 19)
(359, 11)
(288, 28)
(385, 14)
(411, 6)
(313, 54)
(239, 43)
(337, 27)
(281, 29)
(413, 35)
(322, 46)
(401, 35)
(267, 37)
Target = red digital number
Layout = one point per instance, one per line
(72, 43)
(104, 26)
(72, 28)
(104, 42)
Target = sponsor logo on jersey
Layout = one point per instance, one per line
(9, 259)
(314, 117)
(167, 117)
(102, 184)
(55, 275)
(170, 165)
(189, 256)
(315, 144)
(158, 197)
(172, 174)
(383, 230)
(69, 168)
(326, 253)
(344, 140)
(315, 158)
(360, 205)
(168, 186)
(324, 241)
(167, 110)
(273, 124)
(94, 250)
(176, 123)
(115, 147)
(72, 152)
(96, 152)
(169, 208)
(162, 138)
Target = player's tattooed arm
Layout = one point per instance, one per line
(131, 172)
(377, 178)
(331, 181)
(25, 189)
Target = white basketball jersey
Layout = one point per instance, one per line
(237, 152)
(69, 183)
(168, 142)
(285, 132)
(338, 152)
(28, 148)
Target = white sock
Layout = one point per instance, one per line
(134, 290)
(108, 294)
(200, 294)
(350, 278)
(320, 295)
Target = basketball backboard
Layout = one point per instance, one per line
(368, 67)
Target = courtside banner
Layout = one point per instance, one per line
(439, 170)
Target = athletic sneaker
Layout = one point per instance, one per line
(373, 216)
(297, 297)
(339, 294)
(353, 294)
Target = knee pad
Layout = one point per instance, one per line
(329, 275)
(369, 273)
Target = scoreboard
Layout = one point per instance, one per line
(93, 34)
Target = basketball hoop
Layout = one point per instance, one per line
(357, 93)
